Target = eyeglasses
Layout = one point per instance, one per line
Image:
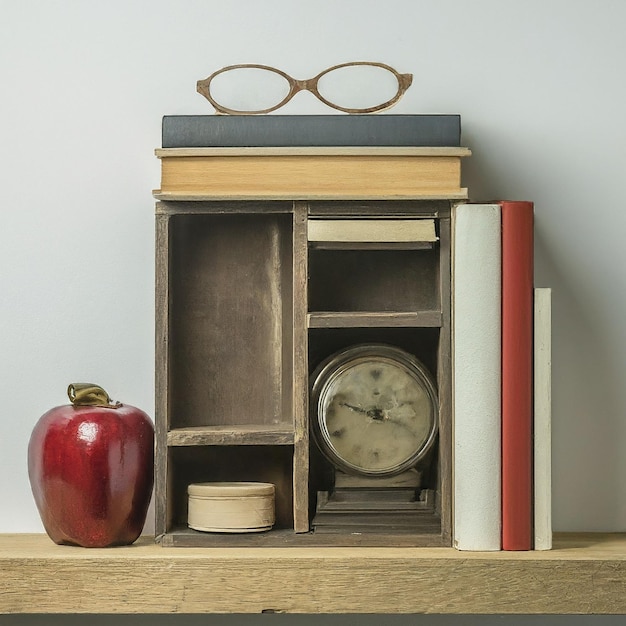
(256, 89)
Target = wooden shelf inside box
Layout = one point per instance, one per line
(374, 319)
(184, 537)
(236, 434)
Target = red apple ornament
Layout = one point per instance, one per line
(91, 469)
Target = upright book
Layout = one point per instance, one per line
(517, 374)
(542, 435)
(238, 131)
(477, 376)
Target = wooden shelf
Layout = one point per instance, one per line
(371, 245)
(236, 435)
(584, 574)
(367, 319)
(185, 537)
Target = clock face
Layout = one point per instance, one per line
(375, 410)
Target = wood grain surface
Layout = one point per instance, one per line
(237, 434)
(583, 574)
(300, 369)
(374, 319)
(444, 383)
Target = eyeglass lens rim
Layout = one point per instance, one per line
(295, 85)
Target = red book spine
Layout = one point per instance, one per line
(517, 372)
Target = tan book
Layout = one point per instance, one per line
(312, 173)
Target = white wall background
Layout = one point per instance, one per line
(83, 85)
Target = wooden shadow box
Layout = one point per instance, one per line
(248, 304)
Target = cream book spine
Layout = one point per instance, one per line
(477, 370)
(387, 230)
(543, 418)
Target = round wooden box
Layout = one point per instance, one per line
(239, 507)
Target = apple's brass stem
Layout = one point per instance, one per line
(88, 394)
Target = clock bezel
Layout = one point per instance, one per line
(336, 364)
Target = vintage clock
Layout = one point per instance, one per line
(374, 417)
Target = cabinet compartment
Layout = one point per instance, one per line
(271, 464)
(230, 320)
(423, 343)
(373, 280)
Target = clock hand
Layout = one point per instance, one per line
(358, 409)
(375, 414)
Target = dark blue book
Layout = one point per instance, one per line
(237, 131)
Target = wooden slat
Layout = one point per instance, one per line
(371, 245)
(300, 370)
(162, 308)
(444, 383)
(583, 574)
(394, 209)
(366, 319)
(246, 434)
(221, 207)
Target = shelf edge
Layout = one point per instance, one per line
(585, 574)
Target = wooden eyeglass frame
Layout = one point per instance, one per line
(295, 86)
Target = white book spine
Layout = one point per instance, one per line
(476, 276)
(543, 418)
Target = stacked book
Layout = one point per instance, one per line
(293, 131)
(501, 323)
(312, 156)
